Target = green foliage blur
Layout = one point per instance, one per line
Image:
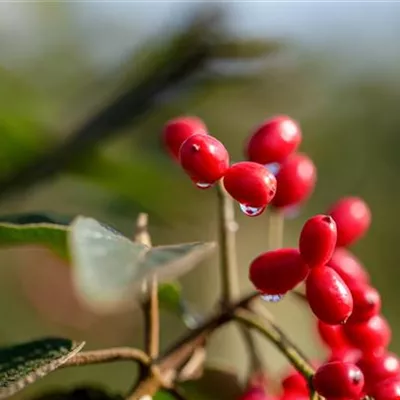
(49, 88)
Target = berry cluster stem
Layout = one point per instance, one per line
(227, 230)
(276, 229)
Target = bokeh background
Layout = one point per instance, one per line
(66, 148)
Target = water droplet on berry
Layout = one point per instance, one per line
(292, 212)
(251, 211)
(203, 185)
(273, 167)
(272, 298)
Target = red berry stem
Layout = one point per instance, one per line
(276, 226)
(227, 246)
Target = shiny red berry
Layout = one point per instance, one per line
(379, 368)
(328, 296)
(295, 382)
(204, 158)
(345, 354)
(295, 181)
(386, 390)
(278, 271)
(332, 335)
(371, 337)
(338, 380)
(353, 218)
(367, 302)
(348, 266)
(274, 140)
(177, 130)
(251, 184)
(318, 240)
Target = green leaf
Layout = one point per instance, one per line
(109, 268)
(217, 382)
(23, 364)
(170, 297)
(52, 236)
(36, 218)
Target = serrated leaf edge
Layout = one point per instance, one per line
(39, 373)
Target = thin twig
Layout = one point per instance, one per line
(227, 230)
(276, 229)
(182, 349)
(150, 289)
(108, 355)
(276, 336)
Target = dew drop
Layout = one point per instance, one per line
(273, 168)
(251, 211)
(292, 212)
(203, 185)
(272, 298)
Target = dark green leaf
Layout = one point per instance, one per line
(23, 364)
(216, 383)
(36, 218)
(81, 393)
(52, 236)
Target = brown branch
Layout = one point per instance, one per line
(276, 336)
(108, 355)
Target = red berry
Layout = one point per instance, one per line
(295, 181)
(338, 379)
(294, 396)
(387, 390)
(348, 266)
(371, 337)
(318, 240)
(378, 368)
(345, 354)
(367, 302)
(177, 130)
(295, 382)
(274, 140)
(204, 158)
(353, 218)
(332, 335)
(278, 271)
(328, 296)
(251, 184)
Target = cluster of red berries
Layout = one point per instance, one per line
(274, 173)
(338, 287)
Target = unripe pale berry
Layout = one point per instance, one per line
(353, 218)
(204, 158)
(367, 302)
(251, 184)
(278, 271)
(332, 335)
(378, 368)
(328, 296)
(386, 390)
(348, 266)
(177, 130)
(371, 337)
(274, 140)
(295, 181)
(318, 240)
(338, 380)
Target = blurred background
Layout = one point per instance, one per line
(85, 88)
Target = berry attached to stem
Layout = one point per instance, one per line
(177, 130)
(204, 158)
(353, 218)
(318, 240)
(274, 140)
(328, 296)
(251, 184)
(278, 271)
